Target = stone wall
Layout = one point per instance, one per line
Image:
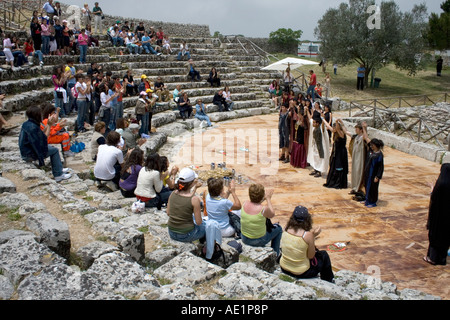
(171, 28)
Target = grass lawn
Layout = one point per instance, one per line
(394, 82)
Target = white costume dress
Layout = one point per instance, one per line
(319, 164)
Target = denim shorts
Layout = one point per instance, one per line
(197, 233)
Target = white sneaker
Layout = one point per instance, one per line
(62, 177)
(66, 170)
(111, 185)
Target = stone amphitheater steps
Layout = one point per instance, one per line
(238, 69)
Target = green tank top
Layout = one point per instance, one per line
(253, 226)
(181, 211)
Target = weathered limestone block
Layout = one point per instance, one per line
(7, 185)
(263, 257)
(22, 256)
(92, 251)
(51, 231)
(188, 269)
(116, 272)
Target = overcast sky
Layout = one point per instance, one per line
(251, 18)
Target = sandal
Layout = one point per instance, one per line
(427, 259)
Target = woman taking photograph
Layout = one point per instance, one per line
(300, 258)
(254, 215)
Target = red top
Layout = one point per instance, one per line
(313, 80)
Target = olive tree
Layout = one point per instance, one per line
(374, 36)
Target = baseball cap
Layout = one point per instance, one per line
(133, 126)
(187, 175)
(143, 93)
(143, 76)
(300, 213)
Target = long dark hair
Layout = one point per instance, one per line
(135, 158)
(153, 162)
(294, 224)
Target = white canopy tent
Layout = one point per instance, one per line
(293, 63)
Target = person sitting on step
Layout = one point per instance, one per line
(109, 162)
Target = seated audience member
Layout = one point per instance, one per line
(128, 83)
(132, 137)
(130, 172)
(227, 95)
(161, 90)
(218, 205)
(192, 73)
(184, 210)
(147, 44)
(132, 46)
(58, 134)
(140, 30)
(177, 92)
(169, 180)
(34, 146)
(184, 51)
(150, 183)
(109, 161)
(98, 138)
(214, 78)
(254, 215)
(160, 37)
(166, 45)
(300, 257)
(200, 113)
(116, 38)
(219, 101)
(185, 107)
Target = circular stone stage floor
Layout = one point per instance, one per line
(387, 241)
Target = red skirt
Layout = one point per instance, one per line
(298, 156)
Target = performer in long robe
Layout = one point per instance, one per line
(318, 146)
(299, 148)
(337, 174)
(283, 130)
(358, 151)
(438, 223)
(373, 172)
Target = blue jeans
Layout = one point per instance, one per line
(72, 100)
(82, 112)
(188, 55)
(46, 45)
(119, 109)
(117, 40)
(135, 48)
(203, 118)
(311, 90)
(83, 53)
(38, 53)
(59, 103)
(106, 118)
(55, 160)
(196, 234)
(113, 118)
(148, 48)
(274, 235)
(143, 121)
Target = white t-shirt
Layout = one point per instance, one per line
(103, 98)
(107, 157)
(83, 87)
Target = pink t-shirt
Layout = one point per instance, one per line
(83, 39)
